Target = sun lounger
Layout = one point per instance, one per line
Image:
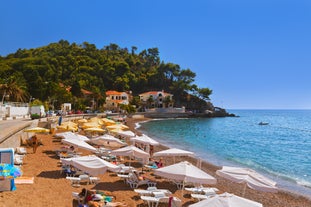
(74, 181)
(135, 182)
(202, 190)
(18, 159)
(155, 201)
(114, 204)
(94, 180)
(84, 178)
(199, 197)
(151, 190)
(202, 193)
(21, 150)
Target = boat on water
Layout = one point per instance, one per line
(263, 123)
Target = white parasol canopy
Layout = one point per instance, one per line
(106, 139)
(226, 200)
(145, 140)
(131, 151)
(71, 135)
(248, 176)
(79, 144)
(126, 133)
(185, 172)
(173, 152)
(92, 164)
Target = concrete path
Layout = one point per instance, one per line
(10, 127)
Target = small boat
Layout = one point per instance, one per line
(263, 123)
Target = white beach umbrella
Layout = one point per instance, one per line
(79, 144)
(62, 134)
(71, 135)
(106, 140)
(186, 173)
(92, 164)
(131, 151)
(126, 133)
(145, 140)
(226, 200)
(173, 152)
(249, 177)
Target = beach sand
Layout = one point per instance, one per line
(50, 187)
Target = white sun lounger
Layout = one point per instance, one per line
(75, 181)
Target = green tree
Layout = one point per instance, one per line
(14, 87)
(204, 93)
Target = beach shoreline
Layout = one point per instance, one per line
(211, 169)
(51, 188)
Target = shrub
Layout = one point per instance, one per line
(35, 116)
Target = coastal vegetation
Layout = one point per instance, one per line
(81, 74)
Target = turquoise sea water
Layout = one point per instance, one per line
(281, 150)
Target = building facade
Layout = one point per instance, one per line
(156, 99)
(114, 99)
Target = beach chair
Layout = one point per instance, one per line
(18, 159)
(94, 180)
(21, 150)
(151, 190)
(202, 190)
(199, 197)
(201, 193)
(154, 201)
(75, 182)
(135, 182)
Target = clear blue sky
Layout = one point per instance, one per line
(251, 53)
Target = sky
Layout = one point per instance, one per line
(253, 54)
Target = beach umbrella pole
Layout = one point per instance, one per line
(244, 189)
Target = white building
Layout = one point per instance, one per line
(115, 98)
(157, 99)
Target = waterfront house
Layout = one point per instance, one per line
(115, 98)
(157, 99)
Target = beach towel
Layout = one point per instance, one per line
(24, 180)
(170, 201)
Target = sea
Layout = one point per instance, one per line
(281, 150)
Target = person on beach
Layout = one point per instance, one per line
(151, 150)
(159, 163)
(35, 143)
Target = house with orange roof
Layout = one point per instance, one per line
(115, 98)
(157, 99)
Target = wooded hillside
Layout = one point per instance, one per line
(62, 71)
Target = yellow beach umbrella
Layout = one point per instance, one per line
(37, 130)
(69, 123)
(108, 122)
(94, 129)
(97, 120)
(117, 126)
(68, 127)
(82, 120)
(90, 125)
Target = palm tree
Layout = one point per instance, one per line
(167, 101)
(150, 101)
(14, 89)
